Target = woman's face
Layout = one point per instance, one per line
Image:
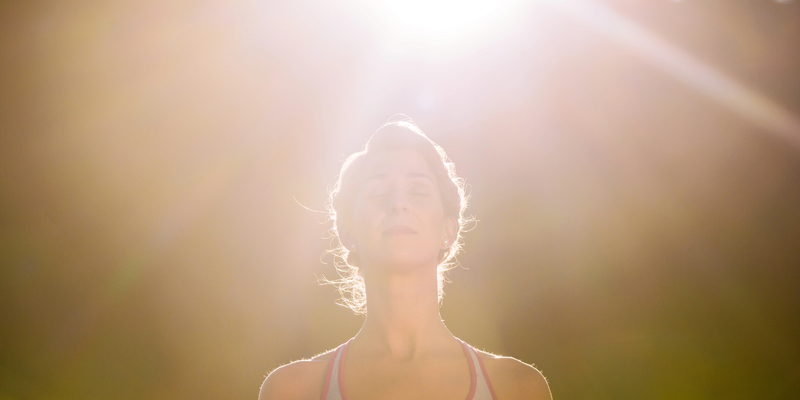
(399, 220)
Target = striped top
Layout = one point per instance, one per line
(480, 386)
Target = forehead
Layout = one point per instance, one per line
(397, 163)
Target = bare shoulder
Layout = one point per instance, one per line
(514, 379)
(298, 380)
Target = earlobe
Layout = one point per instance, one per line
(450, 232)
(347, 240)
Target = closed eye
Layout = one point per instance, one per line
(419, 191)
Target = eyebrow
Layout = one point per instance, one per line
(410, 175)
(420, 175)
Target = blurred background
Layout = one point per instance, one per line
(634, 167)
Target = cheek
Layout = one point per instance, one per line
(435, 221)
(365, 216)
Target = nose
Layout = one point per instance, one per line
(398, 202)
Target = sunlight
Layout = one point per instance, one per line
(444, 24)
(442, 15)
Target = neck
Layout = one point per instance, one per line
(403, 318)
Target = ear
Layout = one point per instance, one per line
(345, 237)
(450, 232)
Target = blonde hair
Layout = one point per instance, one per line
(391, 136)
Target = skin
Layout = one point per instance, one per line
(403, 350)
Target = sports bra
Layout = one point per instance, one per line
(480, 386)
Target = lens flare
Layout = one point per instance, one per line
(444, 16)
(443, 25)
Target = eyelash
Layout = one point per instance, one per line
(413, 193)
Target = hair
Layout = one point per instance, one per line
(403, 135)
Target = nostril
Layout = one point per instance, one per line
(398, 203)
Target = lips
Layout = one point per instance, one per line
(399, 230)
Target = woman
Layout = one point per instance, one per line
(398, 214)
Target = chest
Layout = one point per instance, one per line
(442, 379)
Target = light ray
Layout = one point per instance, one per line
(747, 103)
(442, 27)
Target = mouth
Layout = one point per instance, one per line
(399, 230)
